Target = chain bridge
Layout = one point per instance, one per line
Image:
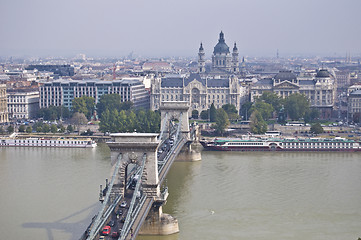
(132, 200)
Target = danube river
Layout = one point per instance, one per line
(52, 193)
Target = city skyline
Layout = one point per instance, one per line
(168, 28)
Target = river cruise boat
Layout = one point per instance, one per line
(48, 142)
(282, 144)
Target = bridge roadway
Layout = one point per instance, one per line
(128, 227)
(164, 163)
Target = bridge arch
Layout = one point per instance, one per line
(175, 110)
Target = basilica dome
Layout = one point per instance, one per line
(221, 46)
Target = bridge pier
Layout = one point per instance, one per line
(159, 223)
(191, 152)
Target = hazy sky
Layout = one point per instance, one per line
(176, 28)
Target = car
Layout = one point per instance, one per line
(101, 238)
(106, 230)
(123, 204)
(111, 223)
(119, 212)
(114, 234)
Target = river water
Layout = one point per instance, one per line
(52, 193)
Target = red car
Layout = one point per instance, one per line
(114, 234)
(106, 230)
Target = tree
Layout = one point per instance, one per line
(316, 128)
(61, 128)
(78, 119)
(53, 128)
(84, 105)
(273, 99)
(195, 114)
(70, 128)
(231, 111)
(311, 114)
(29, 129)
(53, 113)
(296, 106)
(39, 129)
(245, 110)
(2, 131)
(212, 113)
(46, 128)
(265, 109)
(112, 101)
(257, 125)
(10, 129)
(21, 128)
(222, 121)
(205, 114)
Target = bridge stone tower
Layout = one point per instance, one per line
(179, 110)
(172, 111)
(133, 146)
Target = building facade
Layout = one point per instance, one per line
(354, 105)
(62, 92)
(199, 91)
(23, 103)
(4, 116)
(320, 89)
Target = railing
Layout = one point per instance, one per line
(104, 214)
(130, 215)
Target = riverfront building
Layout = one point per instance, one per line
(62, 92)
(23, 103)
(320, 89)
(3, 104)
(354, 105)
(199, 91)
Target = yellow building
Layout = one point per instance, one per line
(3, 104)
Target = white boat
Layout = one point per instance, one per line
(48, 142)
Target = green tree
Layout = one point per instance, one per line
(265, 109)
(311, 114)
(70, 128)
(273, 99)
(245, 111)
(10, 129)
(296, 106)
(61, 128)
(231, 111)
(212, 113)
(316, 128)
(84, 105)
(205, 114)
(195, 114)
(257, 125)
(39, 129)
(112, 101)
(46, 128)
(222, 121)
(21, 128)
(2, 131)
(53, 128)
(29, 129)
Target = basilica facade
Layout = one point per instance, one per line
(222, 59)
(219, 86)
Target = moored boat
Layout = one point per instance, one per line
(48, 142)
(281, 144)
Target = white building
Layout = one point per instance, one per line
(23, 103)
